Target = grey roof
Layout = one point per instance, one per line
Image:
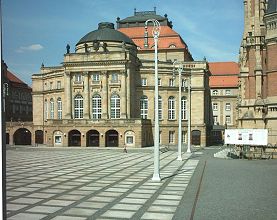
(140, 17)
(105, 32)
(271, 6)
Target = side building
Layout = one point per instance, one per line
(224, 92)
(258, 67)
(18, 105)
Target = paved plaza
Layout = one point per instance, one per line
(82, 184)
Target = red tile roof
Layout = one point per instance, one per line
(13, 78)
(167, 37)
(16, 81)
(223, 74)
(224, 68)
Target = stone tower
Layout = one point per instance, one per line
(258, 67)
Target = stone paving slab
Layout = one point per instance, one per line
(82, 184)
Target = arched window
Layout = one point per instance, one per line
(51, 108)
(144, 107)
(96, 107)
(78, 107)
(172, 46)
(184, 108)
(160, 108)
(171, 108)
(59, 108)
(115, 106)
(45, 109)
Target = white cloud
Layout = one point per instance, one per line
(32, 47)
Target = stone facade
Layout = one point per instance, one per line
(18, 97)
(103, 95)
(258, 68)
(224, 92)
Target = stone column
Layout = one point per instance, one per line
(128, 94)
(105, 99)
(68, 98)
(86, 96)
(123, 95)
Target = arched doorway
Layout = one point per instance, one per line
(112, 138)
(74, 138)
(92, 138)
(196, 137)
(39, 137)
(22, 136)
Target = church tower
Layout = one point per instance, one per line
(258, 67)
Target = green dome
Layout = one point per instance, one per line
(105, 32)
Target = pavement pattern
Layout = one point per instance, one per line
(79, 184)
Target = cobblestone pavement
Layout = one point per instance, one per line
(78, 184)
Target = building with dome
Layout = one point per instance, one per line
(102, 95)
(257, 101)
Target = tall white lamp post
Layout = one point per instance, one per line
(156, 32)
(179, 66)
(188, 112)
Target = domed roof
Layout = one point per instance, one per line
(105, 32)
(271, 6)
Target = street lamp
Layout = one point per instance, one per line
(189, 108)
(156, 32)
(179, 69)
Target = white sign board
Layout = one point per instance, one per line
(257, 137)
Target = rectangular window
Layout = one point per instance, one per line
(51, 109)
(58, 139)
(115, 107)
(78, 78)
(215, 106)
(144, 107)
(59, 107)
(171, 82)
(184, 83)
(184, 108)
(144, 82)
(78, 108)
(171, 108)
(95, 77)
(129, 140)
(51, 85)
(215, 119)
(160, 108)
(96, 107)
(228, 106)
(228, 119)
(171, 137)
(114, 77)
(159, 82)
(59, 85)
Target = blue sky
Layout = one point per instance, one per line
(37, 31)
